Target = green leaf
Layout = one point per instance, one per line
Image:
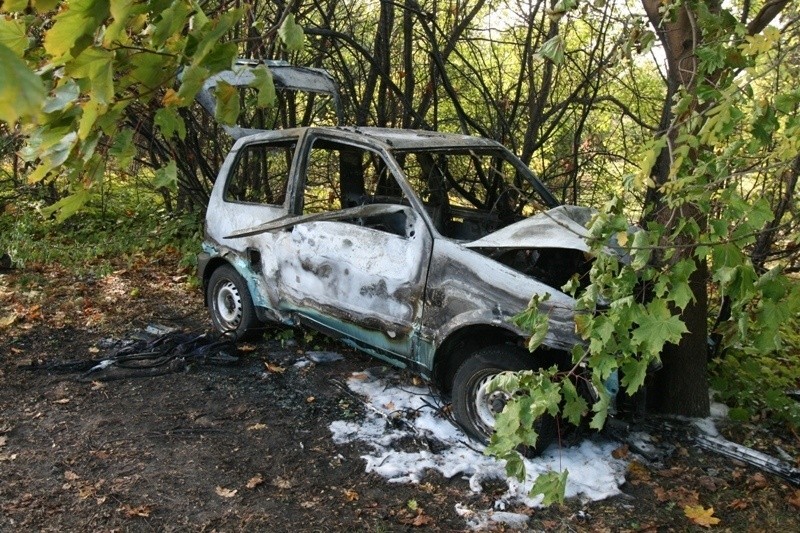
(265, 86)
(657, 327)
(191, 82)
(553, 49)
(91, 110)
(291, 34)
(62, 97)
(68, 206)
(96, 65)
(120, 10)
(21, 91)
(552, 486)
(575, 406)
(209, 36)
(640, 250)
(171, 22)
(221, 57)
(600, 407)
(152, 70)
(10, 6)
(534, 321)
(167, 176)
(515, 466)
(45, 5)
(14, 35)
(170, 122)
(227, 109)
(69, 33)
(123, 149)
(633, 373)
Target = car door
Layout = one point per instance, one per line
(354, 261)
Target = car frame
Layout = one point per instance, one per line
(342, 229)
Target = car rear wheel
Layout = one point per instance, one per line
(230, 304)
(475, 408)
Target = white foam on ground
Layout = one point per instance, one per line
(593, 473)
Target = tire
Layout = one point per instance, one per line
(230, 304)
(475, 411)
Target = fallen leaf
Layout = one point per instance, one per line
(421, 520)
(274, 369)
(389, 406)
(637, 472)
(257, 427)
(87, 491)
(350, 495)
(226, 493)
(794, 500)
(97, 385)
(62, 401)
(621, 452)
(758, 481)
(417, 381)
(94, 349)
(282, 483)
(142, 511)
(700, 516)
(7, 320)
(3, 441)
(246, 348)
(360, 376)
(310, 399)
(710, 483)
(738, 504)
(69, 475)
(254, 481)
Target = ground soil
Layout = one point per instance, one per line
(246, 447)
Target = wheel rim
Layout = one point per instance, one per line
(228, 305)
(487, 405)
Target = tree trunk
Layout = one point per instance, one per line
(681, 386)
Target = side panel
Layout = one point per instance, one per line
(365, 283)
(465, 287)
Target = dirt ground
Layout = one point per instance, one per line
(246, 447)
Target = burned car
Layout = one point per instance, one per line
(413, 246)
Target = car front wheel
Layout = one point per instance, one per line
(475, 408)
(230, 304)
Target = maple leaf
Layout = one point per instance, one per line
(351, 495)
(701, 516)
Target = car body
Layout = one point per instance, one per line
(416, 247)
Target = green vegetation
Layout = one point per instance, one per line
(129, 229)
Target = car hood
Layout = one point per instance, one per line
(561, 227)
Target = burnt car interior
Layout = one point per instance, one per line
(467, 193)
